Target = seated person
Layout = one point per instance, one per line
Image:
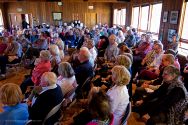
(185, 76)
(176, 62)
(167, 104)
(98, 112)
(153, 59)
(61, 45)
(11, 55)
(46, 96)
(130, 39)
(102, 45)
(42, 64)
(112, 50)
(173, 44)
(118, 93)
(84, 69)
(90, 44)
(67, 80)
(3, 45)
(55, 57)
(14, 112)
(167, 59)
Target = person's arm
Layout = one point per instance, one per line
(185, 69)
(155, 94)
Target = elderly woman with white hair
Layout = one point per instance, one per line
(49, 95)
(42, 64)
(55, 55)
(120, 37)
(61, 47)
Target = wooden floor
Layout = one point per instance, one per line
(17, 75)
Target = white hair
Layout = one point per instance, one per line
(60, 44)
(85, 52)
(54, 49)
(50, 78)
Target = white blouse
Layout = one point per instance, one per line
(119, 100)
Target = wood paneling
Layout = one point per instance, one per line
(78, 11)
(169, 6)
(41, 11)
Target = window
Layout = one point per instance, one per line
(144, 18)
(184, 34)
(155, 18)
(135, 16)
(1, 21)
(119, 16)
(183, 46)
(147, 18)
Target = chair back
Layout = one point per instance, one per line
(53, 111)
(86, 87)
(126, 114)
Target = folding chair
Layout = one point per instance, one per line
(53, 111)
(126, 115)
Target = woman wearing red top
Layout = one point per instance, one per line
(42, 64)
(3, 46)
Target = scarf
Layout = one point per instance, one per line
(177, 112)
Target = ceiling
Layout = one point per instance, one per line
(111, 1)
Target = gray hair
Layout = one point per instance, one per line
(124, 60)
(45, 55)
(172, 70)
(65, 69)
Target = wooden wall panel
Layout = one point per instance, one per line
(169, 6)
(77, 11)
(42, 11)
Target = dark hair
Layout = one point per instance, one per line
(99, 106)
(171, 51)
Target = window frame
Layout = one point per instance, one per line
(149, 18)
(119, 10)
(182, 22)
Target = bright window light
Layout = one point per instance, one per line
(185, 24)
(144, 17)
(156, 18)
(135, 17)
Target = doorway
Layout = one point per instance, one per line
(16, 19)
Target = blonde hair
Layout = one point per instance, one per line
(122, 75)
(169, 57)
(50, 78)
(10, 94)
(65, 69)
(124, 60)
